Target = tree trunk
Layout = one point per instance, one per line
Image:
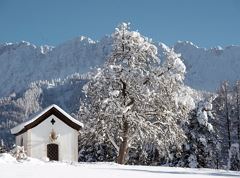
(124, 145)
(217, 160)
(227, 115)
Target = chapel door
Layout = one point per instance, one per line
(52, 152)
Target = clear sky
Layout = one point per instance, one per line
(206, 23)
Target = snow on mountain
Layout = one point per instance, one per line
(23, 63)
(33, 168)
(206, 68)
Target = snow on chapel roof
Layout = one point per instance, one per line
(44, 114)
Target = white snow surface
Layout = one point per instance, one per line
(33, 168)
(20, 127)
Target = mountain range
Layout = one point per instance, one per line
(32, 77)
(23, 63)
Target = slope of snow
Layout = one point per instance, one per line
(207, 68)
(23, 62)
(33, 168)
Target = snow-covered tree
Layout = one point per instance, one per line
(132, 98)
(236, 119)
(97, 152)
(2, 146)
(223, 111)
(224, 108)
(234, 158)
(200, 148)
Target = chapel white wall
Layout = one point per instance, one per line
(23, 138)
(39, 138)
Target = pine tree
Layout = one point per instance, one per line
(236, 121)
(199, 151)
(234, 158)
(224, 113)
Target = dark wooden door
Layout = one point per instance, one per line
(52, 152)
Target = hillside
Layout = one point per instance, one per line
(17, 108)
(206, 68)
(23, 63)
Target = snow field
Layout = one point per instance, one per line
(33, 168)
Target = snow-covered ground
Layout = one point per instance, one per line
(33, 168)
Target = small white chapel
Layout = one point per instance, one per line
(52, 133)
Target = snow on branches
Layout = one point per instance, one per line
(132, 98)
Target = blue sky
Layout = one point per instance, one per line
(206, 23)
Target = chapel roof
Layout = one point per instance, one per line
(44, 114)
